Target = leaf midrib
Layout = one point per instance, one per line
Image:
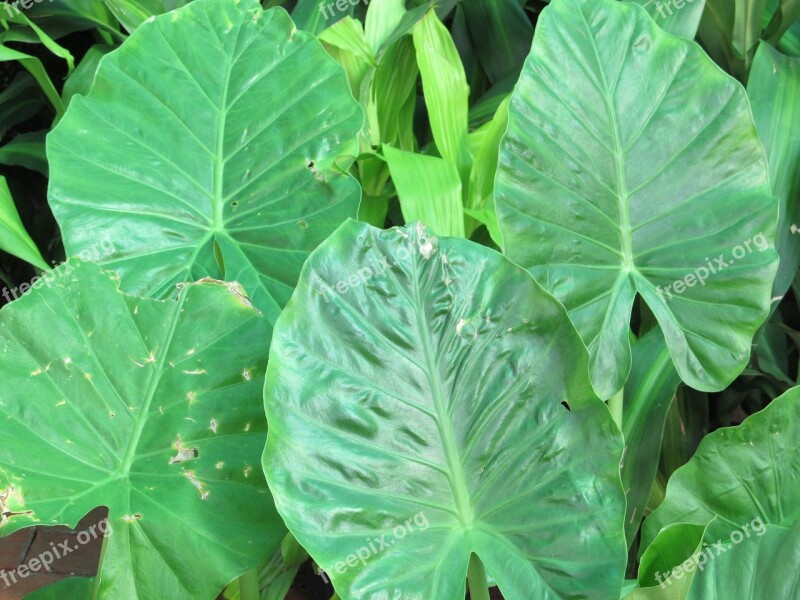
(456, 477)
(622, 184)
(155, 380)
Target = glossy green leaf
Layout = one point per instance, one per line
(212, 130)
(416, 383)
(637, 182)
(774, 91)
(429, 190)
(678, 17)
(756, 470)
(13, 237)
(151, 408)
(648, 395)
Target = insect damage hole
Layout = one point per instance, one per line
(132, 518)
(6, 514)
(198, 485)
(183, 454)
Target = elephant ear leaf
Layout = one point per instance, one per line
(205, 149)
(756, 466)
(150, 408)
(632, 166)
(422, 411)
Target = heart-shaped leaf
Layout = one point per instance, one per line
(756, 469)
(416, 397)
(151, 408)
(203, 150)
(631, 165)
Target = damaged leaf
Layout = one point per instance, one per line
(205, 149)
(102, 404)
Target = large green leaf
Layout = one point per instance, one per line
(416, 383)
(206, 139)
(151, 408)
(638, 181)
(756, 474)
(774, 91)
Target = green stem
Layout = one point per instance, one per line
(476, 578)
(248, 586)
(615, 406)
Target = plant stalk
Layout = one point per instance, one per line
(615, 406)
(248, 586)
(476, 579)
